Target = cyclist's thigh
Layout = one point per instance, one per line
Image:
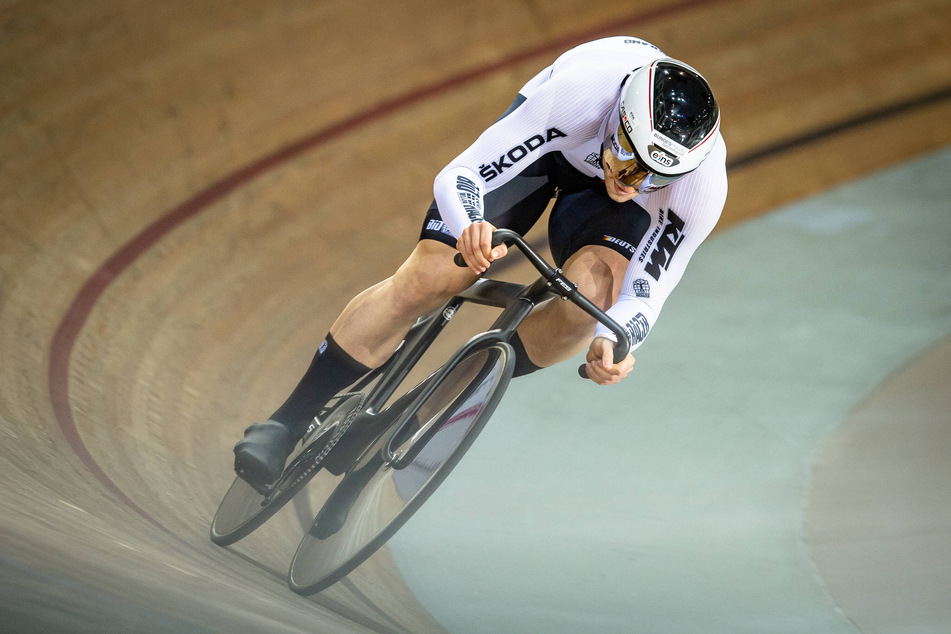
(588, 217)
(429, 271)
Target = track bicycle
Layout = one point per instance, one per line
(394, 456)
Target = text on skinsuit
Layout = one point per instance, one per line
(469, 196)
(621, 243)
(667, 245)
(517, 153)
(637, 328)
(654, 233)
(634, 40)
(438, 225)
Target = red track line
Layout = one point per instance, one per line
(69, 329)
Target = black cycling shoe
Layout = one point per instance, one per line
(259, 457)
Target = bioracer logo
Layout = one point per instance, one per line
(637, 328)
(470, 196)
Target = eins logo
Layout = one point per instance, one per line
(661, 156)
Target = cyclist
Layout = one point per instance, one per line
(627, 141)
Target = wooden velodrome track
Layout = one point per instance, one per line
(190, 192)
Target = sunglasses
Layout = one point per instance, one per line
(634, 169)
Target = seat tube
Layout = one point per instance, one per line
(415, 347)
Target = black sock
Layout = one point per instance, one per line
(523, 365)
(331, 370)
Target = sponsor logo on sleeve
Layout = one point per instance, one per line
(637, 328)
(470, 196)
(653, 236)
(490, 171)
(670, 239)
(642, 288)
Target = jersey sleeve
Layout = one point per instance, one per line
(459, 195)
(683, 215)
(558, 112)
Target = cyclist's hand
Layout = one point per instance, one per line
(601, 367)
(475, 245)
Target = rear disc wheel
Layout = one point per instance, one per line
(374, 499)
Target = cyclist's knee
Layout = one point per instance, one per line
(599, 273)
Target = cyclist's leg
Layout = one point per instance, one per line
(363, 337)
(371, 326)
(559, 330)
(374, 322)
(592, 239)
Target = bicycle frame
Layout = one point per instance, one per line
(516, 301)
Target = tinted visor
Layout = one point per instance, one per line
(684, 108)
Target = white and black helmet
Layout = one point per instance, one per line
(668, 121)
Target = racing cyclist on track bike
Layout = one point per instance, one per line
(627, 142)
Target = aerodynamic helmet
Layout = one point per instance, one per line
(668, 121)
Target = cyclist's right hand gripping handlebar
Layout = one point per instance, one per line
(498, 237)
(562, 287)
(621, 347)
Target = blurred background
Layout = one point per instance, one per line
(191, 192)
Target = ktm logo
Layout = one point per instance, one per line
(667, 246)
